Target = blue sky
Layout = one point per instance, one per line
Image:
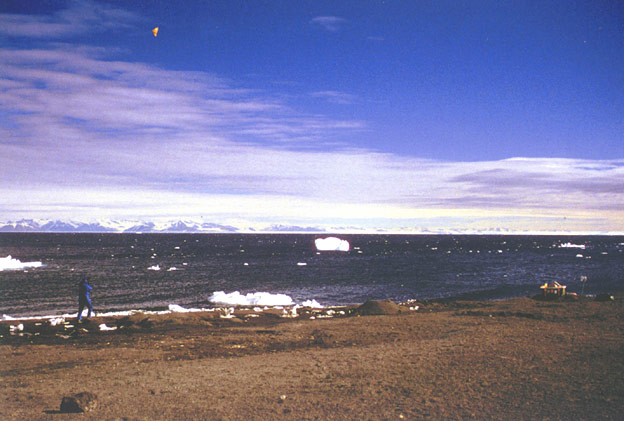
(374, 114)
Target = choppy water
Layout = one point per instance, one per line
(194, 266)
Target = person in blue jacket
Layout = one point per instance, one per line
(84, 298)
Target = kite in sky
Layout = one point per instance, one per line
(155, 31)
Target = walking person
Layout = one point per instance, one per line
(84, 298)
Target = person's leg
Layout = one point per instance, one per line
(81, 307)
(90, 307)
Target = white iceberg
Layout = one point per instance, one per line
(9, 263)
(251, 299)
(331, 244)
(311, 303)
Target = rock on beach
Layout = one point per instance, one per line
(80, 402)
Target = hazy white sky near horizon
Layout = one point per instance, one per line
(368, 114)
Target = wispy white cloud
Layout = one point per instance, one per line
(335, 97)
(80, 17)
(328, 23)
(84, 134)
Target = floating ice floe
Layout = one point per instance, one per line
(9, 263)
(155, 267)
(331, 244)
(172, 268)
(302, 264)
(570, 245)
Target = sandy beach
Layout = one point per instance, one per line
(514, 359)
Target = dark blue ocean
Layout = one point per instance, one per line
(193, 266)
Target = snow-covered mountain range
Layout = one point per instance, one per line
(115, 226)
(189, 226)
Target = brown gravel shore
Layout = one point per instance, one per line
(514, 359)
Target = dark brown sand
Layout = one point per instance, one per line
(515, 359)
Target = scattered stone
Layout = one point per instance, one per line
(80, 402)
(605, 297)
(281, 399)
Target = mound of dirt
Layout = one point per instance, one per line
(378, 308)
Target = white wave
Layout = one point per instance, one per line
(9, 263)
(331, 244)
(264, 299)
(251, 299)
(174, 308)
(570, 245)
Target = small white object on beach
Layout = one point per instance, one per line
(331, 244)
(228, 313)
(290, 313)
(105, 328)
(56, 321)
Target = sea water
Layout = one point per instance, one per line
(192, 271)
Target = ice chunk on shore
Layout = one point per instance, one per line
(9, 263)
(251, 299)
(331, 244)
